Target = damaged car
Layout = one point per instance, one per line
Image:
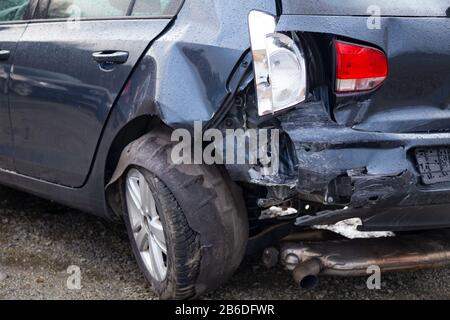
(215, 129)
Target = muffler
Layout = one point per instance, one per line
(353, 257)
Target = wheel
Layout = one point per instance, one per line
(199, 210)
(162, 241)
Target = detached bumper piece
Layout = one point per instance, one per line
(308, 260)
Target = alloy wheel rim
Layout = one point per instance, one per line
(146, 225)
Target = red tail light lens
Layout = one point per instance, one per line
(359, 68)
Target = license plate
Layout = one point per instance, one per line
(434, 164)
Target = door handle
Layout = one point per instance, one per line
(111, 57)
(4, 54)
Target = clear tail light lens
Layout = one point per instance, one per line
(279, 64)
(359, 68)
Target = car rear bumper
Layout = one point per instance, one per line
(363, 174)
(338, 165)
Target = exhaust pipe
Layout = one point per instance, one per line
(306, 274)
(354, 257)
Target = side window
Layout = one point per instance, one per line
(146, 8)
(13, 10)
(63, 9)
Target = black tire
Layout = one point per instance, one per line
(203, 213)
(182, 242)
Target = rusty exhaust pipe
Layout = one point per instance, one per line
(354, 257)
(306, 274)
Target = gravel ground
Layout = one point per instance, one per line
(39, 240)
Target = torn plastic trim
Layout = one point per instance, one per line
(349, 229)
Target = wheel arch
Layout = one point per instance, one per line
(131, 131)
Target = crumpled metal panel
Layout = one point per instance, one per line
(196, 57)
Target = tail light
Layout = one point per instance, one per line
(359, 68)
(279, 65)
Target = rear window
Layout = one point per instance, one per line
(65, 9)
(399, 8)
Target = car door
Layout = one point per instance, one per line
(70, 66)
(13, 16)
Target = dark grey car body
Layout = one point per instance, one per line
(65, 121)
